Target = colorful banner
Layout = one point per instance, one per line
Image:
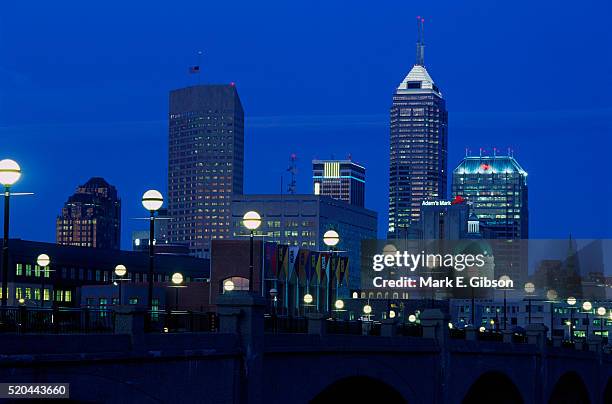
(293, 261)
(281, 260)
(322, 264)
(270, 260)
(342, 269)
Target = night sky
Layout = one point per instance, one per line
(84, 92)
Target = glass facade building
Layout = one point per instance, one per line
(339, 179)
(496, 189)
(206, 163)
(418, 148)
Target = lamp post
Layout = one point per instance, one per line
(331, 239)
(251, 221)
(177, 282)
(571, 301)
(601, 312)
(307, 301)
(529, 289)
(120, 271)
(505, 279)
(551, 296)
(587, 307)
(10, 172)
(152, 200)
(43, 262)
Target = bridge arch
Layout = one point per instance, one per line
(355, 389)
(570, 388)
(493, 386)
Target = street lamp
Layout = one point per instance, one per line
(412, 318)
(601, 312)
(10, 172)
(152, 200)
(571, 301)
(331, 239)
(308, 298)
(120, 271)
(529, 289)
(177, 282)
(273, 295)
(505, 279)
(339, 304)
(587, 307)
(228, 285)
(367, 309)
(251, 220)
(43, 262)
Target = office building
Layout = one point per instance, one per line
(91, 217)
(418, 147)
(301, 220)
(73, 267)
(339, 179)
(496, 188)
(206, 158)
(448, 220)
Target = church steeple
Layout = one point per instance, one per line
(420, 45)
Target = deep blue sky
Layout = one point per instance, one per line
(83, 92)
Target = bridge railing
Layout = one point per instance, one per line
(285, 324)
(57, 320)
(181, 321)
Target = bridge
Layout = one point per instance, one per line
(241, 362)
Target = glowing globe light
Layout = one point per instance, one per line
(367, 309)
(571, 300)
(392, 314)
(120, 270)
(331, 238)
(177, 278)
(228, 285)
(551, 294)
(482, 329)
(43, 260)
(339, 304)
(152, 200)
(587, 306)
(412, 318)
(10, 172)
(601, 311)
(308, 298)
(251, 220)
(529, 287)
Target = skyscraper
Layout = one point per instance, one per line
(91, 217)
(496, 187)
(339, 179)
(206, 163)
(418, 146)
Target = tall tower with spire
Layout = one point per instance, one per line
(418, 147)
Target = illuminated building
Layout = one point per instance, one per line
(206, 163)
(418, 147)
(301, 220)
(72, 267)
(496, 188)
(91, 217)
(448, 220)
(339, 179)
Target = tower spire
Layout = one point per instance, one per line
(420, 46)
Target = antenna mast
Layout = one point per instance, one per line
(293, 171)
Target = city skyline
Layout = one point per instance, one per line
(535, 136)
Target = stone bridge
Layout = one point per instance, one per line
(241, 363)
